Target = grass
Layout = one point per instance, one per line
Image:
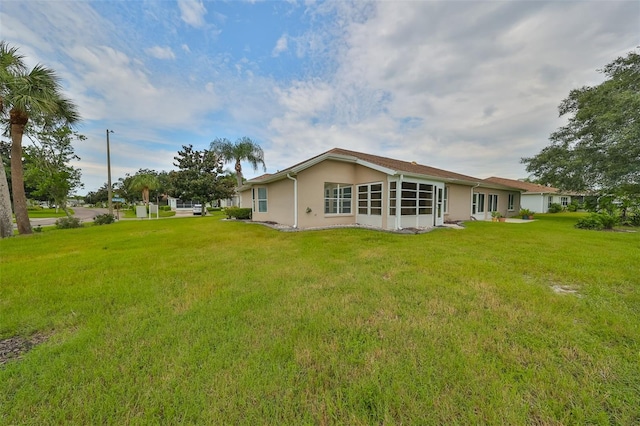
(46, 213)
(198, 320)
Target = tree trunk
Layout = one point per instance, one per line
(6, 222)
(17, 173)
(239, 173)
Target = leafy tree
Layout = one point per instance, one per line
(99, 196)
(47, 166)
(199, 176)
(244, 149)
(36, 96)
(599, 148)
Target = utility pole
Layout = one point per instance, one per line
(109, 190)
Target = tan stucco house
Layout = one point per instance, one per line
(341, 187)
(537, 198)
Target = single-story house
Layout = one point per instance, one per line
(341, 187)
(537, 198)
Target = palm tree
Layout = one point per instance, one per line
(244, 149)
(144, 182)
(34, 96)
(10, 63)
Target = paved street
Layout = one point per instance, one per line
(85, 214)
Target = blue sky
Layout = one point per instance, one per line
(467, 86)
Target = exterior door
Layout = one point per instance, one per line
(478, 207)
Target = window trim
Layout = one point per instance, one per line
(492, 206)
(511, 202)
(339, 199)
(261, 200)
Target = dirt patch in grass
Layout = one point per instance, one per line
(15, 347)
(563, 289)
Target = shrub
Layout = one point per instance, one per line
(213, 209)
(104, 219)
(68, 222)
(164, 208)
(597, 221)
(573, 207)
(632, 219)
(590, 222)
(238, 213)
(608, 220)
(555, 208)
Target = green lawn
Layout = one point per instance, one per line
(46, 213)
(199, 320)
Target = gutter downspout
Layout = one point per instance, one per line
(295, 200)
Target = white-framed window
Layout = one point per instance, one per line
(370, 199)
(259, 199)
(564, 201)
(511, 202)
(550, 201)
(337, 198)
(445, 200)
(415, 198)
(493, 203)
(262, 200)
(478, 203)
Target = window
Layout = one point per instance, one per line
(337, 198)
(550, 201)
(564, 201)
(445, 200)
(511, 202)
(262, 200)
(370, 199)
(478, 203)
(415, 198)
(493, 203)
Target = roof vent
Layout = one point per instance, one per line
(414, 163)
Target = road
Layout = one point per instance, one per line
(83, 213)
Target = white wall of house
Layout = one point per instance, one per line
(535, 202)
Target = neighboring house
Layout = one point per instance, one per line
(341, 187)
(537, 198)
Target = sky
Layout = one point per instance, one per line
(466, 86)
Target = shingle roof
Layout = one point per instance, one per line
(397, 166)
(405, 166)
(526, 186)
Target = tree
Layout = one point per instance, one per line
(10, 63)
(99, 196)
(36, 96)
(599, 148)
(244, 149)
(47, 166)
(199, 176)
(144, 182)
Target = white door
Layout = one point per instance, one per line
(478, 207)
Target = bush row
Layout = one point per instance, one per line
(237, 213)
(597, 221)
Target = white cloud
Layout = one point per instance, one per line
(192, 12)
(281, 46)
(159, 52)
(185, 47)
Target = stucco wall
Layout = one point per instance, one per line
(459, 203)
(311, 191)
(503, 200)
